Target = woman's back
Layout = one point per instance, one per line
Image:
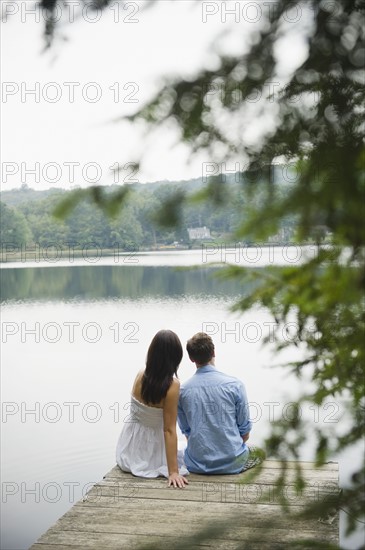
(137, 392)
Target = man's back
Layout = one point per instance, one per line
(213, 413)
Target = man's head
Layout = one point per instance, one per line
(200, 349)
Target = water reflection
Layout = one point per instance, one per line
(101, 282)
(82, 371)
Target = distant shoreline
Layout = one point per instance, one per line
(39, 254)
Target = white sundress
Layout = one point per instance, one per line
(141, 444)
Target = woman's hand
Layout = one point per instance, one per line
(176, 480)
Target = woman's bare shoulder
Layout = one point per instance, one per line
(137, 383)
(174, 388)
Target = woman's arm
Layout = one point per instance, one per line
(169, 418)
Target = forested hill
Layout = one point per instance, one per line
(23, 194)
(26, 215)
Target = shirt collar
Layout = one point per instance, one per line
(206, 368)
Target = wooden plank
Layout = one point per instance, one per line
(132, 516)
(277, 464)
(123, 543)
(107, 493)
(268, 465)
(165, 543)
(123, 511)
(266, 475)
(132, 484)
(115, 541)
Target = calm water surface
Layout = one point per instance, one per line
(74, 337)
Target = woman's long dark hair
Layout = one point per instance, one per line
(163, 358)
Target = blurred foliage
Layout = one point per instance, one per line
(318, 116)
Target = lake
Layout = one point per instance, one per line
(74, 335)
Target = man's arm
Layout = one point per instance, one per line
(242, 413)
(182, 420)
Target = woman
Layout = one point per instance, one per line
(147, 446)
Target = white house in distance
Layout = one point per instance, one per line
(199, 233)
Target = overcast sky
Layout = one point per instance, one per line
(110, 67)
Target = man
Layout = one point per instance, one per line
(213, 414)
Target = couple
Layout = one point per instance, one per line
(211, 409)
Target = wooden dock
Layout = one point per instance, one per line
(234, 511)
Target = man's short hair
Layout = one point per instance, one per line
(200, 348)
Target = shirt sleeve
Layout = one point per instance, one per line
(182, 420)
(242, 411)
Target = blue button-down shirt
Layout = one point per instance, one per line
(213, 413)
